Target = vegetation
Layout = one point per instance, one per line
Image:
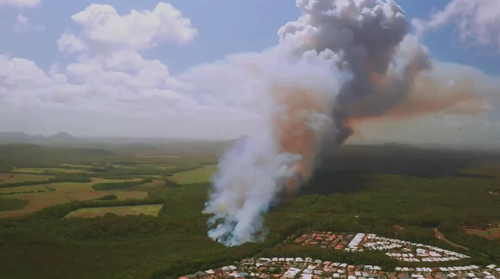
(119, 185)
(108, 197)
(152, 210)
(7, 204)
(61, 177)
(357, 189)
(198, 175)
(16, 178)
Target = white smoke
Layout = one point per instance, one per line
(339, 62)
(255, 171)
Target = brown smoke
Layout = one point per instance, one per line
(295, 132)
(427, 95)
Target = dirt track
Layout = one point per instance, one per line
(440, 236)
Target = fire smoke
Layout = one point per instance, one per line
(341, 62)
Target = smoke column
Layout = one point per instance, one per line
(340, 62)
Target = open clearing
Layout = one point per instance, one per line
(17, 178)
(71, 191)
(118, 210)
(48, 170)
(159, 156)
(7, 204)
(143, 166)
(200, 175)
(76, 166)
(147, 186)
(493, 233)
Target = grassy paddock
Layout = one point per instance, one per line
(200, 175)
(75, 166)
(65, 192)
(118, 210)
(7, 204)
(48, 170)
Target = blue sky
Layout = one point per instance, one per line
(225, 27)
(90, 81)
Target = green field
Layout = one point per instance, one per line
(76, 166)
(66, 192)
(16, 178)
(200, 175)
(118, 210)
(159, 167)
(48, 170)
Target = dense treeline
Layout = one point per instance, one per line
(60, 177)
(28, 192)
(61, 210)
(107, 197)
(119, 185)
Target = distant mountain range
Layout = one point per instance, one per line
(64, 138)
(20, 137)
(151, 145)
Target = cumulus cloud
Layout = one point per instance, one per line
(19, 3)
(478, 22)
(107, 71)
(69, 43)
(22, 24)
(107, 76)
(105, 30)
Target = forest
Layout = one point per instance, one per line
(368, 189)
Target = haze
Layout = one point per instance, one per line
(174, 70)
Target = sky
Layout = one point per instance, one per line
(160, 69)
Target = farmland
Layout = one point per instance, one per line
(118, 210)
(76, 166)
(68, 192)
(158, 167)
(9, 204)
(47, 170)
(16, 178)
(200, 175)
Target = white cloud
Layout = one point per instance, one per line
(477, 21)
(69, 43)
(22, 24)
(109, 78)
(19, 3)
(105, 30)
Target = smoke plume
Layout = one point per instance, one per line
(341, 62)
